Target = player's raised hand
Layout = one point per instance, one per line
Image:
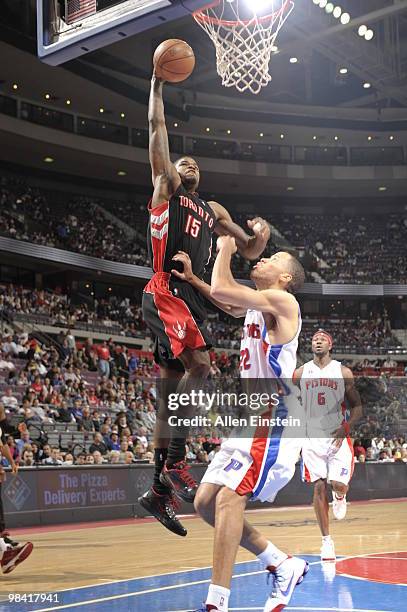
(226, 242)
(187, 274)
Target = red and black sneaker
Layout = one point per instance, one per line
(14, 556)
(179, 479)
(163, 508)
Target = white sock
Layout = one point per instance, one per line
(272, 556)
(326, 538)
(3, 547)
(218, 596)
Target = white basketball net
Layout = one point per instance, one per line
(243, 47)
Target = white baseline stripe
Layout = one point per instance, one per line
(148, 591)
(313, 609)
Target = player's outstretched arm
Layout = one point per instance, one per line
(298, 375)
(226, 290)
(166, 179)
(353, 397)
(188, 276)
(250, 247)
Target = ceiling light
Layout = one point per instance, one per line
(293, 60)
(47, 96)
(229, 132)
(362, 30)
(122, 115)
(175, 124)
(329, 8)
(109, 289)
(68, 102)
(337, 12)
(261, 134)
(15, 86)
(87, 285)
(391, 137)
(367, 85)
(345, 18)
(314, 138)
(316, 1)
(121, 173)
(290, 188)
(101, 110)
(369, 138)
(336, 137)
(282, 136)
(369, 35)
(323, 3)
(383, 188)
(208, 129)
(343, 71)
(48, 160)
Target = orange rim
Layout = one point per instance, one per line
(202, 17)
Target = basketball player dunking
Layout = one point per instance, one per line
(173, 309)
(255, 467)
(327, 451)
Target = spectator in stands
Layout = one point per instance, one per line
(98, 444)
(114, 442)
(22, 441)
(103, 360)
(63, 414)
(97, 457)
(36, 452)
(9, 401)
(68, 459)
(86, 423)
(384, 456)
(46, 452)
(28, 458)
(80, 459)
(89, 460)
(54, 458)
(370, 455)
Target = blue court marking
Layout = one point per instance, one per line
(184, 592)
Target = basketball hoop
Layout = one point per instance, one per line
(243, 46)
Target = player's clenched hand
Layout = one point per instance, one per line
(226, 242)
(260, 228)
(187, 275)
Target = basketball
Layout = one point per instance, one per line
(174, 60)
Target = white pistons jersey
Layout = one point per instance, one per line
(322, 395)
(259, 358)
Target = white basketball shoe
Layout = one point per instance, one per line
(286, 577)
(328, 550)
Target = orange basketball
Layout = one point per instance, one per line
(174, 60)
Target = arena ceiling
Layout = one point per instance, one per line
(315, 38)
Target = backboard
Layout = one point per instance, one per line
(67, 29)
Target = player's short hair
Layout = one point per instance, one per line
(184, 157)
(297, 272)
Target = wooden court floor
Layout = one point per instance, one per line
(78, 555)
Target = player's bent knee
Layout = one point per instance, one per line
(340, 487)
